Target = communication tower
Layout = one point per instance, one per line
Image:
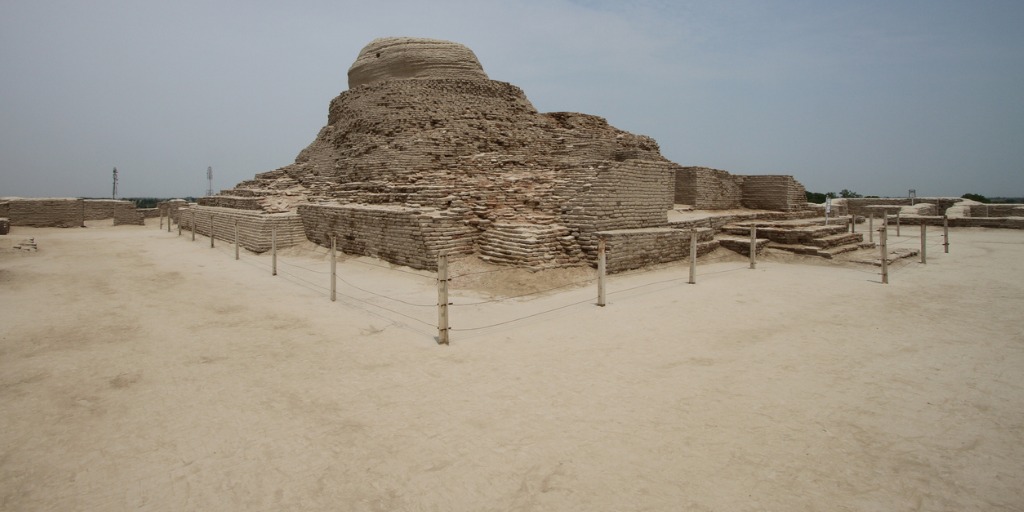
(114, 194)
(209, 181)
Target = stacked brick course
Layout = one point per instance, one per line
(98, 209)
(46, 212)
(425, 154)
(773, 192)
(401, 235)
(708, 189)
(254, 228)
(627, 249)
(125, 213)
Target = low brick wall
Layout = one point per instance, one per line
(773, 192)
(99, 209)
(860, 205)
(627, 249)
(996, 210)
(254, 228)
(530, 245)
(46, 212)
(126, 213)
(708, 189)
(400, 235)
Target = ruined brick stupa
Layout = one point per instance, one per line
(425, 153)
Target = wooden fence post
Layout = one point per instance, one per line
(161, 219)
(193, 225)
(885, 255)
(273, 251)
(334, 268)
(924, 246)
(871, 229)
(442, 299)
(179, 222)
(601, 267)
(945, 233)
(897, 223)
(211, 231)
(236, 239)
(693, 256)
(753, 246)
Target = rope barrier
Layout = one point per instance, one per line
(502, 299)
(467, 329)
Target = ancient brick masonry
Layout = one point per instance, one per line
(424, 154)
(255, 229)
(714, 189)
(45, 212)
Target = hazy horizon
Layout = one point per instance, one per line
(875, 97)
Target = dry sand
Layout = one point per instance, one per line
(142, 371)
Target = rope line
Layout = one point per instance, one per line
(521, 318)
(502, 299)
(384, 296)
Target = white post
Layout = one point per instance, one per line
(442, 299)
(693, 256)
(236, 239)
(334, 266)
(601, 264)
(753, 246)
(273, 251)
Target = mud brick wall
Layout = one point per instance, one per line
(46, 212)
(150, 213)
(170, 208)
(239, 203)
(635, 248)
(254, 228)
(5, 208)
(5, 225)
(125, 213)
(708, 189)
(611, 196)
(859, 205)
(97, 209)
(773, 192)
(996, 210)
(404, 236)
(529, 245)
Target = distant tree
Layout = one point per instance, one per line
(831, 195)
(848, 193)
(976, 197)
(815, 197)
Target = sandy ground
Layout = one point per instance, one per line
(143, 371)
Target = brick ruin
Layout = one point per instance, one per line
(424, 154)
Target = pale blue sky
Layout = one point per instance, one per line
(873, 96)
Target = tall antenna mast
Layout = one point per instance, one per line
(114, 194)
(209, 181)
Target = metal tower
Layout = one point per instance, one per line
(209, 181)
(114, 194)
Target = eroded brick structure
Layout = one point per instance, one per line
(425, 154)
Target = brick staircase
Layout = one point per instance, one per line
(801, 237)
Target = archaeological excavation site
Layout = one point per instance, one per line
(425, 155)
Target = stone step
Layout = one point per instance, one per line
(838, 240)
(742, 245)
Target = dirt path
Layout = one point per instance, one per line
(141, 371)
